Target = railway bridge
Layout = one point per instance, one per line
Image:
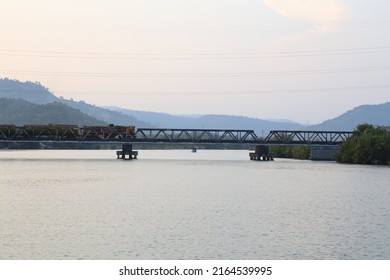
(55, 136)
(275, 137)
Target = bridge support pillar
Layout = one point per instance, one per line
(323, 152)
(261, 153)
(127, 150)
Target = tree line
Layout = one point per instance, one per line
(295, 152)
(369, 145)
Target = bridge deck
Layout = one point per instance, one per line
(307, 137)
(67, 134)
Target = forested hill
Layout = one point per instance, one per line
(29, 91)
(371, 114)
(20, 112)
(40, 95)
(261, 127)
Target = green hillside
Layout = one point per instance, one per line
(29, 91)
(36, 93)
(20, 112)
(371, 114)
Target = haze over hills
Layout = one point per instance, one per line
(105, 115)
(29, 91)
(372, 114)
(39, 95)
(164, 120)
(21, 112)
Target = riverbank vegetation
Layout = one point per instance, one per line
(370, 145)
(295, 152)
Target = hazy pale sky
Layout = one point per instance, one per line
(305, 60)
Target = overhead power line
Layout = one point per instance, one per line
(192, 56)
(243, 92)
(199, 74)
(264, 26)
(209, 93)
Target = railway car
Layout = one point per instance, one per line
(7, 131)
(66, 132)
(107, 133)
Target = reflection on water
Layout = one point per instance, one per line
(183, 205)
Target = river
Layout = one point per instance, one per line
(183, 205)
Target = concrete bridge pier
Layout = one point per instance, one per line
(127, 150)
(320, 152)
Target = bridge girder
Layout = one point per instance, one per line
(307, 137)
(42, 133)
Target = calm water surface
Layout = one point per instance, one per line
(183, 205)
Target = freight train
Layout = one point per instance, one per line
(66, 132)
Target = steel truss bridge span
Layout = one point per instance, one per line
(123, 134)
(212, 136)
(307, 137)
(284, 137)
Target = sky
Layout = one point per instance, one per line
(302, 60)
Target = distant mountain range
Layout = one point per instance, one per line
(21, 112)
(33, 103)
(371, 114)
(38, 94)
(163, 120)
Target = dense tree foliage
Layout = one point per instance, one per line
(295, 152)
(370, 145)
(298, 152)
